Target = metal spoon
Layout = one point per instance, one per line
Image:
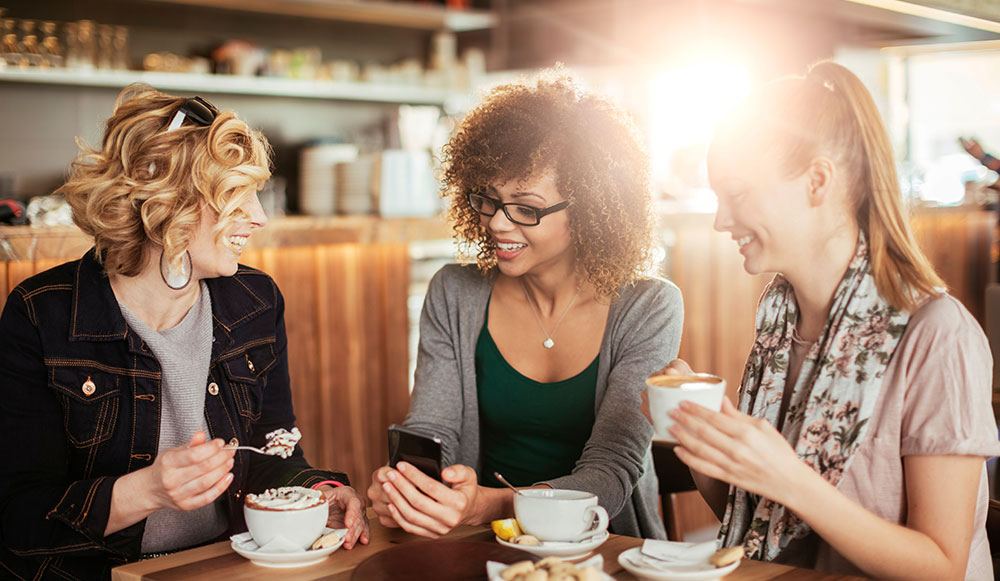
(251, 448)
(505, 483)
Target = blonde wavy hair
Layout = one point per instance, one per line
(146, 185)
(521, 130)
(830, 112)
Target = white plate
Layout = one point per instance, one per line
(244, 545)
(561, 548)
(682, 571)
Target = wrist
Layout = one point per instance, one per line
(802, 488)
(490, 504)
(988, 160)
(136, 493)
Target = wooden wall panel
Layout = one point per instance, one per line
(347, 324)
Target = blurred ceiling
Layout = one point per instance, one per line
(778, 34)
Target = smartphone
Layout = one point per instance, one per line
(421, 450)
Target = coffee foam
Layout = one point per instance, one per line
(285, 498)
(696, 381)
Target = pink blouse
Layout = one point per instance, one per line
(936, 399)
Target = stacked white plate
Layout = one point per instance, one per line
(354, 186)
(318, 178)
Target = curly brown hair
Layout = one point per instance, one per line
(523, 129)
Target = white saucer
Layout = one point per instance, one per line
(565, 549)
(682, 571)
(244, 545)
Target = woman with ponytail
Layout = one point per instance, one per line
(864, 414)
(128, 376)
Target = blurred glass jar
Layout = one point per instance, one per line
(72, 45)
(52, 53)
(28, 46)
(104, 36)
(9, 52)
(86, 55)
(119, 49)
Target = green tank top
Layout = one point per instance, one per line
(530, 431)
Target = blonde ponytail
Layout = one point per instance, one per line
(902, 273)
(829, 112)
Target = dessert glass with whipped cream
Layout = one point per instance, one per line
(288, 517)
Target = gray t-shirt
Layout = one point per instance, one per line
(184, 353)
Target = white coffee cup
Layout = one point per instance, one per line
(666, 392)
(298, 522)
(559, 515)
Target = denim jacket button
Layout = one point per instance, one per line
(250, 365)
(234, 442)
(213, 388)
(88, 387)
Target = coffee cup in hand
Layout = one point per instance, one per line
(559, 515)
(666, 392)
(292, 516)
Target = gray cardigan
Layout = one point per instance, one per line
(642, 335)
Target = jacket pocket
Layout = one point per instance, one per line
(247, 375)
(90, 402)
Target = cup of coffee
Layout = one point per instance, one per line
(559, 515)
(666, 392)
(289, 516)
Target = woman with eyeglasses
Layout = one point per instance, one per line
(532, 361)
(125, 374)
(864, 415)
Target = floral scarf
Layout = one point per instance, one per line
(832, 400)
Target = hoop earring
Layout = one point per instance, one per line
(176, 280)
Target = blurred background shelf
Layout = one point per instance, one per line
(239, 85)
(404, 15)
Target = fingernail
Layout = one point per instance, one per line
(387, 487)
(401, 466)
(392, 475)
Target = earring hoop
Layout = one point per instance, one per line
(176, 280)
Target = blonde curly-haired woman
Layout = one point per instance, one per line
(123, 374)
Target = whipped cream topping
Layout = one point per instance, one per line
(281, 442)
(286, 498)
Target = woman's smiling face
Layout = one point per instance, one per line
(766, 212)
(210, 259)
(529, 249)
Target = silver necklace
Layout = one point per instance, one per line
(548, 343)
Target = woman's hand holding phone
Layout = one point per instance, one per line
(407, 498)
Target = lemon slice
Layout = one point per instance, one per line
(506, 528)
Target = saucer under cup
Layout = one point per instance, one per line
(559, 515)
(666, 392)
(299, 527)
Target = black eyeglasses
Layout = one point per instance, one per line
(516, 213)
(196, 109)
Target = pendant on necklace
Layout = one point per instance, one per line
(548, 343)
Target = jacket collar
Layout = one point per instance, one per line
(97, 317)
(95, 313)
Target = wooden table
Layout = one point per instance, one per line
(218, 561)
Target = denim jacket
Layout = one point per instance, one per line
(80, 406)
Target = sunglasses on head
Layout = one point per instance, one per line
(196, 109)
